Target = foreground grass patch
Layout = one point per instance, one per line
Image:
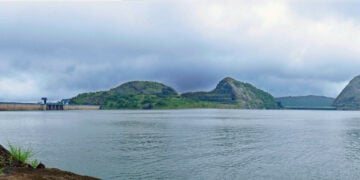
(20, 153)
(23, 155)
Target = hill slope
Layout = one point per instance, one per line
(229, 93)
(236, 94)
(307, 102)
(349, 98)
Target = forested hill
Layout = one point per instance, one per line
(229, 93)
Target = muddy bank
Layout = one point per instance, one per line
(11, 168)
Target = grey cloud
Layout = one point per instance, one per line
(74, 48)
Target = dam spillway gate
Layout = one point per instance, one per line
(54, 107)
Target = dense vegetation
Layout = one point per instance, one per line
(229, 93)
(306, 102)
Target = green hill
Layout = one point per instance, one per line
(229, 93)
(349, 98)
(236, 94)
(131, 95)
(306, 102)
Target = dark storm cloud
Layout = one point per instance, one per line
(61, 49)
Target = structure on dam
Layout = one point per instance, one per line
(44, 106)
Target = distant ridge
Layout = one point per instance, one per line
(229, 93)
(306, 102)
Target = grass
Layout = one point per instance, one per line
(2, 162)
(23, 155)
(35, 163)
(2, 165)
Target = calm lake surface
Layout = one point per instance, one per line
(192, 144)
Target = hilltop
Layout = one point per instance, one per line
(229, 93)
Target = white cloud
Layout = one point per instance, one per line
(19, 88)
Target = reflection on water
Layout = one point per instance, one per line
(352, 145)
(192, 144)
(352, 139)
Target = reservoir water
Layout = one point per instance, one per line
(192, 144)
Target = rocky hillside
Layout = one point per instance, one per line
(349, 98)
(235, 93)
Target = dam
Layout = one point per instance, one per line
(45, 106)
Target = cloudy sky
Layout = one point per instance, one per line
(286, 47)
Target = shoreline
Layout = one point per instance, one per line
(13, 168)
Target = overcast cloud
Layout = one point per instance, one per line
(285, 47)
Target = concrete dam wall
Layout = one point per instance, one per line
(81, 107)
(20, 107)
(42, 107)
